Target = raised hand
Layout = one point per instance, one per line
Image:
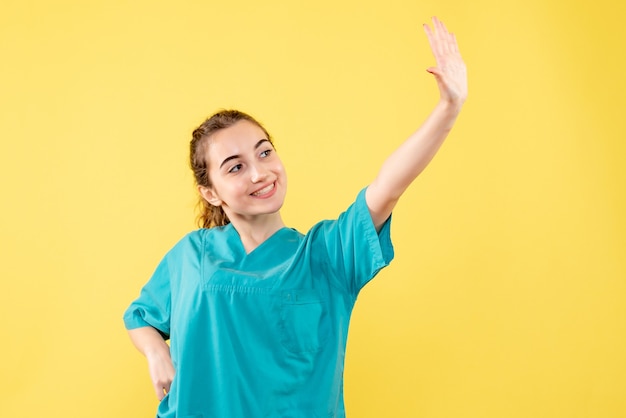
(450, 72)
(414, 154)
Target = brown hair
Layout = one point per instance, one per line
(210, 215)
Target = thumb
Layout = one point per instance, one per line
(435, 71)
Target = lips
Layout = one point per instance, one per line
(265, 190)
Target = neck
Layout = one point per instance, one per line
(254, 231)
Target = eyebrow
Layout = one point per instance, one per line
(232, 157)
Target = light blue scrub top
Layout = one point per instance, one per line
(261, 334)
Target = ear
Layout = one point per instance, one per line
(209, 195)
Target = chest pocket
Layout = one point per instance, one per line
(305, 323)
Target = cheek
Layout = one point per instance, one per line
(231, 187)
(280, 168)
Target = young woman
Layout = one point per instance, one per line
(256, 313)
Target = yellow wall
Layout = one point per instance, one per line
(507, 297)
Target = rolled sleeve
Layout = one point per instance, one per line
(152, 307)
(356, 252)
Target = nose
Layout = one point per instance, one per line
(258, 173)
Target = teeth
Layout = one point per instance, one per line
(263, 190)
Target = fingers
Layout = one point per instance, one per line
(441, 41)
(161, 388)
(160, 393)
(442, 36)
(454, 47)
(431, 39)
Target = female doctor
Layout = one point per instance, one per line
(257, 313)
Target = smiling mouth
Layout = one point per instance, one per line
(264, 190)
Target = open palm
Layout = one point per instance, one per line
(450, 72)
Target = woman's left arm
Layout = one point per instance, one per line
(412, 157)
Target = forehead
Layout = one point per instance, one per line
(236, 139)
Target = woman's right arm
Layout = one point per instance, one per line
(152, 345)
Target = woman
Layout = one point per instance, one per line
(257, 314)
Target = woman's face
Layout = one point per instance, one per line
(247, 176)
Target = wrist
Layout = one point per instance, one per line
(450, 107)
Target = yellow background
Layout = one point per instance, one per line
(507, 297)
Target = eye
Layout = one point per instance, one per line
(266, 153)
(235, 168)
